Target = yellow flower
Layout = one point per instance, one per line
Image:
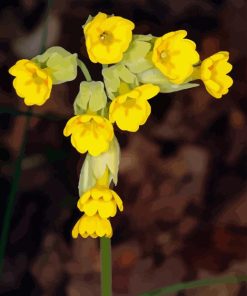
(31, 83)
(132, 109)
(175, 56)
(213, 73)
(90, 133)
(101, 200)
(107, 38)
(93, 226)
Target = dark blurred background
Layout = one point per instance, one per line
(182, 176)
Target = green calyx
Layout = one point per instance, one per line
(94, 167)
(114, 75)
(91, 97)
(137, 58)
(61, 64)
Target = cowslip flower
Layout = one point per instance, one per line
(131, 109)
(100, 200)
(107, 38)
(92, 133)
(93, 226)
(213, 73)
(31, 83)
(175, 56)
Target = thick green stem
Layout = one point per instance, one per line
(84, 70)
(106, 273)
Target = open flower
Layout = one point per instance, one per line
(90, 133)
(31, 83)
(213, 72)
(101, 200)
(175, 56)
(93, 226)
(107, 38)
(132, 109)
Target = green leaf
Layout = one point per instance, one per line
(94, 167)
(62, 65)
(91, 97)
(155, 77)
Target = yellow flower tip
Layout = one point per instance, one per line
(100, 200)
(93, 226)
(107, 38)
(175, 56)
(131, 110)
(213, 73)
(31, 83)
(90, 133)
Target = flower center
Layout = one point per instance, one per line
(163, 55)
(37, 79)
(130, 103)
(106, 37)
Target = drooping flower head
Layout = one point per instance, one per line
(100, 200)
(107, 38)
(213, 73)
(31, 83)
(175, 56)
(92, 133)
(131, 109)
(93, 226)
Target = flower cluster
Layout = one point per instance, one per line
(135, 69)
(98, 204)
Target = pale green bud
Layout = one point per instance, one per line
(137, 58)
(116, 74)
(91, 97)
(94, 167)
(61, 64)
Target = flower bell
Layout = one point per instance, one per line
(101, 200)
(174, 56)
(92, 133)
(93, 226)
(213, 73)
(107, 38)
(131, 109)
(31, 83)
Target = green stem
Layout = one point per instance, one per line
(84, 70)
(196, 284)
(11, 198)
(106, 274)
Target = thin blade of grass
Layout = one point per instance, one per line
(196, 284)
